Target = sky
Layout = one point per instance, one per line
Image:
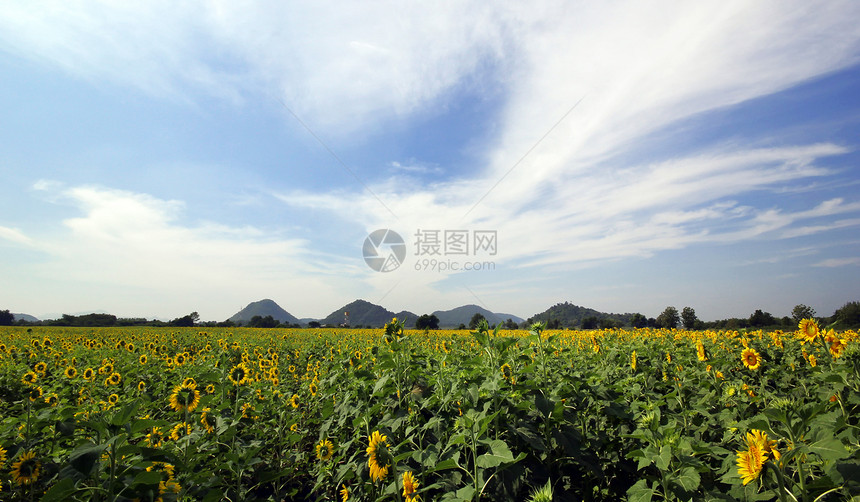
(160, 158)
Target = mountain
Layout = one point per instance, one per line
(24, 317)
(462, 315)
(569, 315)
(364, 313)
(264, 308)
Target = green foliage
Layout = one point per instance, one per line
(481, 415)
(669, 318)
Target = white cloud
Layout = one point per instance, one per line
(838, 262)
(14, 235)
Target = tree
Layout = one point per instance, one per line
(186, 321)
(848, 315)
(263, 322)
(688, 317)
(510, 324)
(589, 322)
(800, 312)
(427, 322)
(553, 324)
(669, 318)
(476, 320)
(759, 319)
(638, 321)
(6, 318)
(314, 324)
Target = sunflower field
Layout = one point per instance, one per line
(348, 414)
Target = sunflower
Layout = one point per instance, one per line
(154, 437)
(759, 438)
(344, 493)
(142, 359)
(185, 397)
(409, 486)
(208, 421)
(29, 378)
(238, 374)
(751, 358)
(179, 360)
(294, 401)
(89, 374)
(40, 368)
(114, 379)
(376, 454)
(808, 330)
(71, 372)
(633, 361)
(35, 394)
(294, 427)
(130, 347)
(837, 346)
(26, 470)
(750, 463)
(52, 399)
(812, 361)
(313, 388)
(700, 351)
(189, 381)
(141, 386)
(507, 372)
(324, 450)
(210, 389)
(180, 430)
(2, 455)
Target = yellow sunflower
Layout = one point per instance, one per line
(238, 374)
(409, 486)
(376, 456)
(142, 359)
(89, 374)
(294, 401)
(154, 437)
(210, 389)
(141, 386)
(325, 450)
(185, 397)
(52, 399)
(700, 351)
(35, 394)
(2, 455)
(750, 463)
(29, 378)
(633, 361)
(208, 421)
(344, 493)
(507, 372)
(26, 470)
(313, 388)
(759, 438)
(71, 372)
(180, 430)
(40, 368)
(808, 330)
(114, 379)
(751, 358)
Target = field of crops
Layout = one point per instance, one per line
(251, 414)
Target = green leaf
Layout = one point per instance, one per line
(640, 492)
(147, 478)
(499, 454)
(688, 479)
(829, 449)
(61, 491)
(84, 458)
(466, 493)
(664, 458)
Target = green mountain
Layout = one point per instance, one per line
(462, 315)
(364, 313)
(24, 317)
(569, 315)
(264, 308)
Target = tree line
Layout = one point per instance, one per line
(845, 317)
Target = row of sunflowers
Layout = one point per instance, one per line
(254, 414)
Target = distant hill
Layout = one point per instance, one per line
(462, 315)
(264, 308)
(24, 317)
(571, 316)
(364, 313)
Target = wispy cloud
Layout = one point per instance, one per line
(15, 235)
(838, 262)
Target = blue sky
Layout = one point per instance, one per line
(158, 159)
